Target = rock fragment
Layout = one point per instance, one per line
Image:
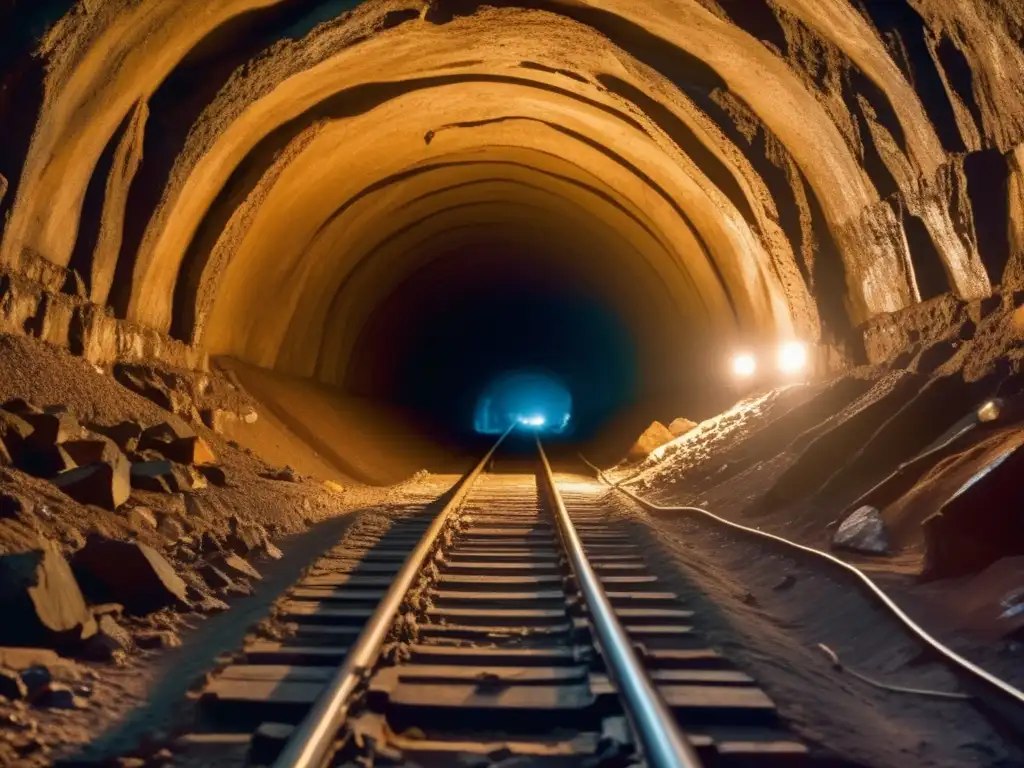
(233, 564)
(106, 485)
(141, 519)
(681, 426)
(130, 573)
(126, 434)
(110, 640)
(863, 531)
(214, 577)
(246, 537)
(93, 451)
(184, 450)
(284, 475)
(53, 428)
(652, 438)
(217, 419)
(42, 602)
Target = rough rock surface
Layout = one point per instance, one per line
(681, 426)
(43, 604)
(652, 438)
(812, 167)
(863, 531)
(102, 484)
(133, 574)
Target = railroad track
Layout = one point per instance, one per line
(513, 627)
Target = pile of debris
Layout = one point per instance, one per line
(100, 464)
(96, 600)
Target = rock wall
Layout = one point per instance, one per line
(255, 177)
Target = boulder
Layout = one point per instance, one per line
(44, 461)
(106, 485)
(93, 451)
(42, 602)
(130, 573)
(125, 435)
(36, 678)
(863, 531)
(164, 432)
(166, 477)
(53, 428)
(652, 438)
(681, 426)
(185, 450)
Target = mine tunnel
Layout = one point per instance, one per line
(268, 264)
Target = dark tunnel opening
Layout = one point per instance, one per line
(486, 310)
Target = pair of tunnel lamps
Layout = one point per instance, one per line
(790, 358)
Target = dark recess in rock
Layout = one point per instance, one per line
(176, 105)
(929, 269)
(92, 213)
(904, 28)
(988, 190)
(960, 77)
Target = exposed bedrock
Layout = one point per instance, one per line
(280, 180)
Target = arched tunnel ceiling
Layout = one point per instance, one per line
(257, 177)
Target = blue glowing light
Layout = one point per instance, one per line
(529, 399)
(532, 421)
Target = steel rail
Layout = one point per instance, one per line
(998, 695)
(661, 740)
(311, 742)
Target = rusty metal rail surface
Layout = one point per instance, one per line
(310, 744)
(997, 694)
(662, 742)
